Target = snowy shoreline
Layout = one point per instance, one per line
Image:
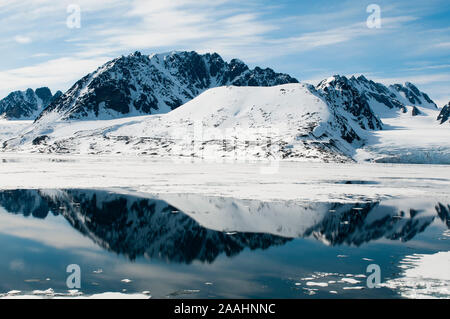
(424, 276)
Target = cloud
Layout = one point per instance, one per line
(443, 45)
(429, 67)
(256, 31)
(435, 85)
(56, 73)
(40, 55)
(187, 24)
(22, 39)
(33, 228)
(416, 79)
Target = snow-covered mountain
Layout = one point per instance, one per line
(330, 122)
(367, 99)
(140, 84)
(444, 116)
(288, 121)
(184, 228)
(26, 105)
(206, 108)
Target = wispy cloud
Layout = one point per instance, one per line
(443, 45)
(289, 36)
(22, 39)
(56, 73)
(417, 79)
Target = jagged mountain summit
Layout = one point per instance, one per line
(444, 116)
(26, 105)
(366, 98)
(153, 84)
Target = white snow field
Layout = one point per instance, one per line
(325, 182)
(409, 139)
(425, 276)
(11, 128)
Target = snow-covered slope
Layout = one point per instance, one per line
(140, 84)
(406, 138)
(26, 105)
(11, 128)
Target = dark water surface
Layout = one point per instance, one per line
(189, 246)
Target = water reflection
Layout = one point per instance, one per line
(183, 228)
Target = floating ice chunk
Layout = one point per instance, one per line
(310, 291)
(74, 292)
(350, 281)
(117, 295)
(48, 292)
(308, 278)
(231, 233)
(319, 284)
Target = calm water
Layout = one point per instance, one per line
(189, 246)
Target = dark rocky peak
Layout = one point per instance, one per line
(363, 97)
(44, 94)
(416, 111)
(411, 95)
(342, 92)
(26, 105)
(444, 116)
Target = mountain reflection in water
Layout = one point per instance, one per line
(183, 228)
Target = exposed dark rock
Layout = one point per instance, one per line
(416, 111)
(39, 140)
(445, 114)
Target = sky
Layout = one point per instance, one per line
(55, 43)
